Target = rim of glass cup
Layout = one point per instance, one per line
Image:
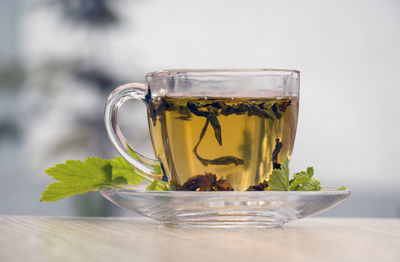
(221, 72)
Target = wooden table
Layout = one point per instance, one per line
(25, 238)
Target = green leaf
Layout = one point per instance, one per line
(121, 168)
(279, 179)
(312, 185)
(157, 185)
(77, 177)
(299, 179)
(310, 171)
(132, 152)
(285, 168)
(93, 170)
(120, 181)
(157, 169)
(341, 188)
(301, 174)
(304, 181)
(57, 191)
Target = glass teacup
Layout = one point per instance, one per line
(212, 130)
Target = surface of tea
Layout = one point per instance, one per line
(239, 140)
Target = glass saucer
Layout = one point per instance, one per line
(226, 208)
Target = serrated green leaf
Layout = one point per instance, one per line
(57, 191)
(121, 168)
(299, 179)
(157, 186)
(279, 178)
(277, 181)
(92, 170)
(285, 168)
(312, 185)
(77, 177)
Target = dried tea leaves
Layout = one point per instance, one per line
(206, 182)
(260, 187)
(209, 182)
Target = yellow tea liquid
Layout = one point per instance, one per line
(239, 140)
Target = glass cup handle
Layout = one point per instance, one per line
(121, 94)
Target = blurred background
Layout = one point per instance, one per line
(59, 59)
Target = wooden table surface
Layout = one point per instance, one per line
(26, 238)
